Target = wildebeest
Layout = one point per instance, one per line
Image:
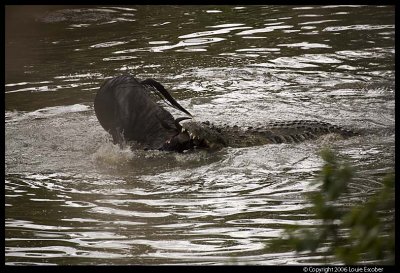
(125, 109)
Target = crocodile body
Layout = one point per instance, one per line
(207, 135)
(125, 109)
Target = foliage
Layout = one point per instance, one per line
(350, 234)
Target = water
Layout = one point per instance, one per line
(71, 197)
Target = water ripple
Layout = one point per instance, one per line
(358, 27)
(211, 32)
(108, 44)
(263, 30)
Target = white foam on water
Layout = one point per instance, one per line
(14, 116)
(112, 155)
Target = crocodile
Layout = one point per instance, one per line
(209, 136)
(125, 109)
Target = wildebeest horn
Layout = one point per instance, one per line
(160, 88)
(178, 126)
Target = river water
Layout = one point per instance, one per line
(71, 197)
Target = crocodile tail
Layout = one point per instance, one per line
(299, 130)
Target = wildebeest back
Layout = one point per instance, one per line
(124, 107)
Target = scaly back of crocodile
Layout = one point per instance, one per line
(208, 135)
